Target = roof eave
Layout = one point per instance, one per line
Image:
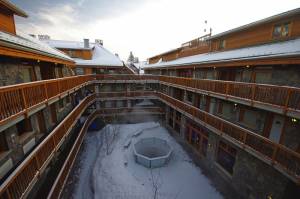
(226, 60)
(18, 47)
(13, 8)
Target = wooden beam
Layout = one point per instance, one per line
(5, 51)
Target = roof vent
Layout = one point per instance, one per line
(44, 37)
(86, 43)
(99, 41)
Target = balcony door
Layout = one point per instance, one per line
(47, 71)
(276, 129)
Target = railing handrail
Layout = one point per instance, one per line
(79, 80)
(8, 181)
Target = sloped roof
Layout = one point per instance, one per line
(259, 22)
(61, 44)
(13, 8)
(273, 50)
(25, 42)
(100, 55)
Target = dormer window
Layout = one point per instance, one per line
(281, 30)
(222, 44)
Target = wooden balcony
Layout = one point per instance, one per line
(131, 94)
(20, 182)
(18, 100)
(279, 156)
(281, 99)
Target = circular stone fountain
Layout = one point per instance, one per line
(152, 152)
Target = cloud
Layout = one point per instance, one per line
(146, 27)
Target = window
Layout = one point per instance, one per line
(222, 44)
(197, 137)
(226, 156)
(281, 30)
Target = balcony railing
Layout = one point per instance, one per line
(283, 97)
(18, 184)
(126, 94)
(19, 99)
(276, 154)
(58, 185)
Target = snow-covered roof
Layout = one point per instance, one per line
(61, 44)
(100, 55)
(279, 49)
(140, 64)
(25, 42)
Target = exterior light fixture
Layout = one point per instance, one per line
(38, 61)
(235, 104)
(247, 66)
(294, 120)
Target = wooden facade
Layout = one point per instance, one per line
(7, 21)
(79, 53)
(256, 34)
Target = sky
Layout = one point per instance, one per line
(145, 27)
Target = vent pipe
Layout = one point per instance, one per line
(86, 43)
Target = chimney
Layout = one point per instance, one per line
(99, 41)
(86, 43)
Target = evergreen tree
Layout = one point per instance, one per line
(130, 58)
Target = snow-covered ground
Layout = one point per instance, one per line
(106, 175)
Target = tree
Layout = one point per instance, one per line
(136, 60)
(130, 58)
(156, 183)
(110, 134)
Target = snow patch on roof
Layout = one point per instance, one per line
(279, 49)
(28, 43)
(60, 44)
(100, 56)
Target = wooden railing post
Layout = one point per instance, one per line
(287, 100)
(24, 102)
(274, 154)
(226, 90)
(46, 92)
(253, 92)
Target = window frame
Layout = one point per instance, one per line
(282, 24)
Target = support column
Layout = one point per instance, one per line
(184, 95)
(167, 114)
(174, 118)
(127, 91)
(97, 90)
(182, 126)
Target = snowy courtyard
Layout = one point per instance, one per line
(106, 168)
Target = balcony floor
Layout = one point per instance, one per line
(117, 175)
